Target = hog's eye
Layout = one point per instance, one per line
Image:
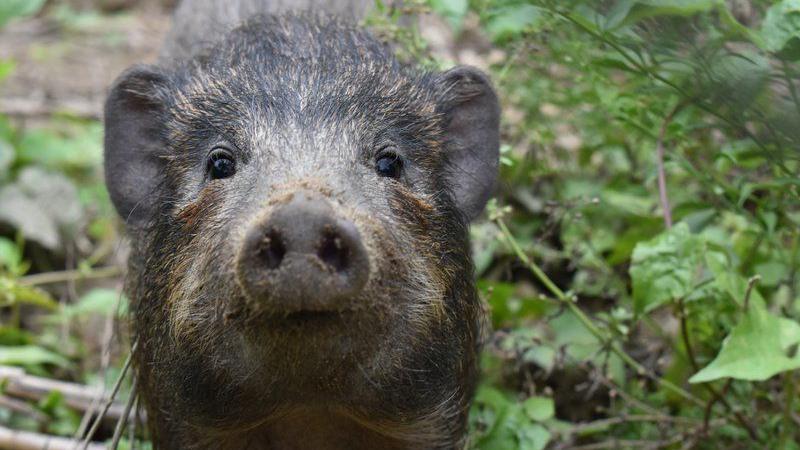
(389, 164)
(221, 164)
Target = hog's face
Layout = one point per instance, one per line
(299, 204)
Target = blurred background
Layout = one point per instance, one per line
(640, 260)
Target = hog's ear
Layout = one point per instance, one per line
(472, 117)
(134, 138)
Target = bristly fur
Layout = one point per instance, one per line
(305, 101)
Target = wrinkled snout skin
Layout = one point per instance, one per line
(308, 300)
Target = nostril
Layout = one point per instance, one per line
(272, 249)
(333, 250)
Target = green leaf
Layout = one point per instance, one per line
(508, 423)
(13, 293)
(30, 355)
(10, 255)
(64, 145)
(41, 204)
(533, 437)
(96, 301)
(452, 10)
(506, 22)
(539, 408)
(780, 30)
(628, 12)
(665, 268)
(13, 9)
(7, 66)
(755, 350)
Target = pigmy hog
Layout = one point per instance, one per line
(298, 204)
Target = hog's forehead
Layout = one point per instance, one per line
(310, 64)
(283, 82)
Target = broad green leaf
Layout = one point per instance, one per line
(63, 145)
(755, 350)
(780, 30)
(506, 22)
(452, 10)
(508, 423)
(96, 301)
(539, 408)
(12, 9)
(772, 272)
(533, 437)
(665, 268)
(41, 204)
(30, 355)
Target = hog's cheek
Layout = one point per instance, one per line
(201, 287)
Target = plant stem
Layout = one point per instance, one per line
(790, 390)
(587, 322)
(69, 275)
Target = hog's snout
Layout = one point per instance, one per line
(303, 256)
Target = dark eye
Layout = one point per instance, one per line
(221, 164)
(389, 165)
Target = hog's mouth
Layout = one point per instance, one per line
(314, 317)
(307, 319)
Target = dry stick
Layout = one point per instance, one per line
(124, 419)
(70, 275)
(24, 440)
(38, 107)
(18, 384)
(22, 407)
(586, 427)
(587, 322)
(134, 420)
(114, 391)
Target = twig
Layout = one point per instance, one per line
(685, 336)
(588, 427)
(105, 361)
(114, 391)
(70, 275)
(637, 444)
(134, 422)
(633, 401)
(124, 419)
(39, 107)
(77, 396)
(24, 440)
(22, 407)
